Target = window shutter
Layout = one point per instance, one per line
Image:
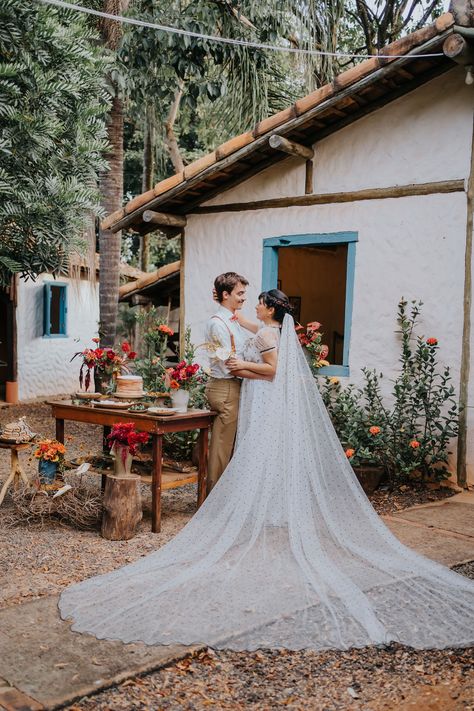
(46, 310)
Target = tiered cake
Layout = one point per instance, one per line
(129, 386)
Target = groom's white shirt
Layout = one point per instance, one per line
(218, 331)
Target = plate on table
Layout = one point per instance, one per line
(81, 395)
(162, 411)
(140, 407)
(111, 404)
(130, 396)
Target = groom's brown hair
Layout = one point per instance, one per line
(227, 282)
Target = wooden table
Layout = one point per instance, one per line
(16, 472)
(156, 426)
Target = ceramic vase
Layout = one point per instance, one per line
(180, 400)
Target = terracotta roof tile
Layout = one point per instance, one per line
(234, 144)
(112, 219)
(198, 165)
(164, 185)
(149, 278)
(274, 121)
(313, 99)
(350, 76)
(139, 201)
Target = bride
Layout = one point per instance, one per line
(286, 551)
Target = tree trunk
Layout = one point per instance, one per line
(170, 138)
(111, 186)
(147, 178)
(122, 507)
(463, 12)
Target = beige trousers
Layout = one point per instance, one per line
(223, 395)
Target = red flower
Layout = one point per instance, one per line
(125, 435)
(126, 347)
(99, 352)
(163, 328)
(132, 355)
(414, 444)
(96, 340)
(432, 341)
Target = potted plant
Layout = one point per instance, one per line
(124, 441)
(183, 380)
(50, 454)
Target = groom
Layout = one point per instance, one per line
(223, 388)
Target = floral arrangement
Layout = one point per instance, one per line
(125, 436)
(157, 342)
(310, 338)
(104, 361)
(50, 450)
(184, 375)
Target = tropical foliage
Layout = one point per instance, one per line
(53, 103)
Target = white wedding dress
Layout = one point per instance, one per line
(286, 552)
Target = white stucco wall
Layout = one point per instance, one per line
(411, 247)
(44, 366)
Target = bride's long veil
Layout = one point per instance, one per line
(286, 552)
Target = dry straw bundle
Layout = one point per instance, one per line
(80, 506)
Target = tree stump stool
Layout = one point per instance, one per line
(122, 507)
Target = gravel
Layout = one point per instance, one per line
(36, 561)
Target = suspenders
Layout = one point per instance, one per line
(232, 339)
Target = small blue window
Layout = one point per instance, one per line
(55, 310)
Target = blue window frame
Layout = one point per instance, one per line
(55, 310)
(271, 248)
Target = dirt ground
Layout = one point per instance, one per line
(37, 561)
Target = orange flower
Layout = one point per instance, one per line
(163, 328)
(174, 385)
(414, 444)
(374, 430)
(350, 453)
(432, 341)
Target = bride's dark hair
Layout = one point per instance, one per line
(279, 301)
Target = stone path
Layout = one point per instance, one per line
(43, 665)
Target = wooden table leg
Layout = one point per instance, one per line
(105, 445)
(203, 445)
(60, 430)
(156, 483)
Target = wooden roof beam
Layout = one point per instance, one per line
(291, 147)
(459, 49)
(163, 219)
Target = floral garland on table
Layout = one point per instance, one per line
(103, 361)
